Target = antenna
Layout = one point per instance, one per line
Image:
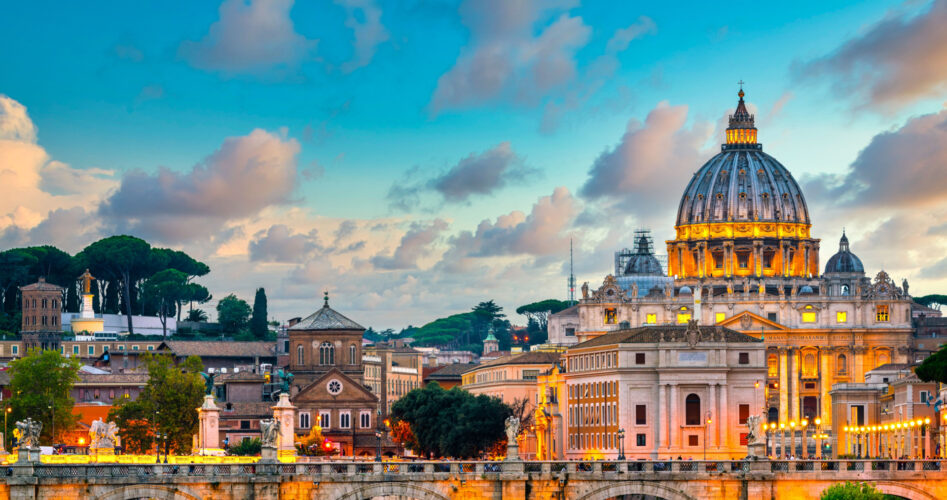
(571, 277)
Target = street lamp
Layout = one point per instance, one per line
(782, 440)
(818, 438)
(706, 425)
(621, 444)
(805, 438)
(5, 413)
(52, 421)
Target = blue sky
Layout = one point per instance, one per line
(384, 114)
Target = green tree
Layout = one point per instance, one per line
(450, 423)
(40, 383)
(540, 311)
(197, 293)
(166, 287)
(233, 313)
(258, 320)
(197, 315)
(246, 447)
(852, 491)
(168, 403)
(122, 259)
(934, 300)
(934, 368)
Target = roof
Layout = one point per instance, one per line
(131, 378)
(326, 318)
(220, 349)
(241, 376)
(246, 409)
(527, 358)
(569, 311)
(891, 366)
(844, 261)
(667, 333)
(452, 371)
(42, 285)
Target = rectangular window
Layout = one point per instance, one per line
(881, 313)
(744, 358)
(692, 440)
(75, 350)
(808, 317)
(91, 350)
(121, 347)
(530, 374)
(345, 420)
(641, 440)
(841, 317)
(720, 317)
(570, 332)
(16, 350)
(639, 358)
(245, 424)
(151, 348)
(771, 317)
(651, 319)
(324, 420)
(365, 419)
(744, 413)
(683, 318)
(641, 415)
(611, 316)
(743, 259)
(304, 422)
(923, 396)
(134, 347)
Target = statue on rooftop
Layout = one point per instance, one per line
(208, 383)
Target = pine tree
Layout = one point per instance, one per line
(258, 325)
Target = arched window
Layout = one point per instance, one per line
(300, 359)
(352, 360)
(808, 366)
(692, 409)
(845, 290)
(841, 364)
(326, 354)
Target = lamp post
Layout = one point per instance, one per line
(157, 436)
(52, 422)
(706, 425)
(805, 438)
(818, 438)
(5, 413)
(792, 438)
(782, 440)
(621, 444)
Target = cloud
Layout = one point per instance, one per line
(652, 162)
(241, 178)
(363, 17)
(898, 168)
(540, 233)
(899, 60)
(478, 174)
(505, 61)
(623, 37)
(57, 178)
(414, 245)
(15, 123)
(67, 228)
(258, 38)
(280, 244)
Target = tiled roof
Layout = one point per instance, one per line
(326, 318)
(527, 358)
(42, 285)
(219, 349)
(891, 366)
(571, 311)
(670, 333)
(133, 378)
(242, 376)
(452, 371)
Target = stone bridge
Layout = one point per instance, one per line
(600, 480)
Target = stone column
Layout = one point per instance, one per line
(674, 425)
(825, 401)
(208, 437)
(858, 355)
(783, 388)
(724, 417)
(714, 419)
(285, 413)
(658, 416)
(794, 385)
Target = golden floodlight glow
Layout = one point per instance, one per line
(927, 420)
(792, 424)
(818, 421)
(782, 425)
(804, 422)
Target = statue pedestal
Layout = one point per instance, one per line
(102, 455)
(512, 453)
(285, 413)
(33, 454)
(756, 451)
(208, 441)
(268, 454)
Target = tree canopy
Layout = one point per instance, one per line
(852, 491)
(934, 368)
(169, 288)
(450, 423)
(540, 311)
(233, 313)
(934, 300)
(40, 383)
(258, 325)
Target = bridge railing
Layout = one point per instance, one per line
(342, 471)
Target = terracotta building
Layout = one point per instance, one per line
(41, 314)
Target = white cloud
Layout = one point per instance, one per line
(364, 19)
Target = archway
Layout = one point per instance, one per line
(397, 490)
(637, 488)
(903, 490)
(148, 491)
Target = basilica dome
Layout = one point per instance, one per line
(844, 261)
(742, 183)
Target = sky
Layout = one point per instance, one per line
(416, 157)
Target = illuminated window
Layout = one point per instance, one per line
(611, 316)
(651, 319)
(841, 317)
(772, 364)
(808, 317)
(683, 318)
(720, 317)
(881, 313)
(743, 259)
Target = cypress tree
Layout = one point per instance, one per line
(258, 319)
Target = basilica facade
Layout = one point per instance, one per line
(743, 257)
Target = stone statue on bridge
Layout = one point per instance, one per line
(208, 382)
(29, 430)
(103, 434)
(512, 429)
(271, 432)
(755, 431)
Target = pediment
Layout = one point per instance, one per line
(749, 322)
(320, 390)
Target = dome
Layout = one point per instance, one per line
(742, 183)
(805, 290)
(844, 261)
(685, 290)
(642, 261)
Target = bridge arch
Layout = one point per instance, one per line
(652, 488)
(136, 491)
(903, 490)
(400, 489)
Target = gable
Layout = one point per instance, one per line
(749, 322)
(318, 391)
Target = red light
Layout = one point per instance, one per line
(327, 445)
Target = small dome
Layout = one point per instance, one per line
(805, 290)
(844, 261)
(642, 261)
(686, 290)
